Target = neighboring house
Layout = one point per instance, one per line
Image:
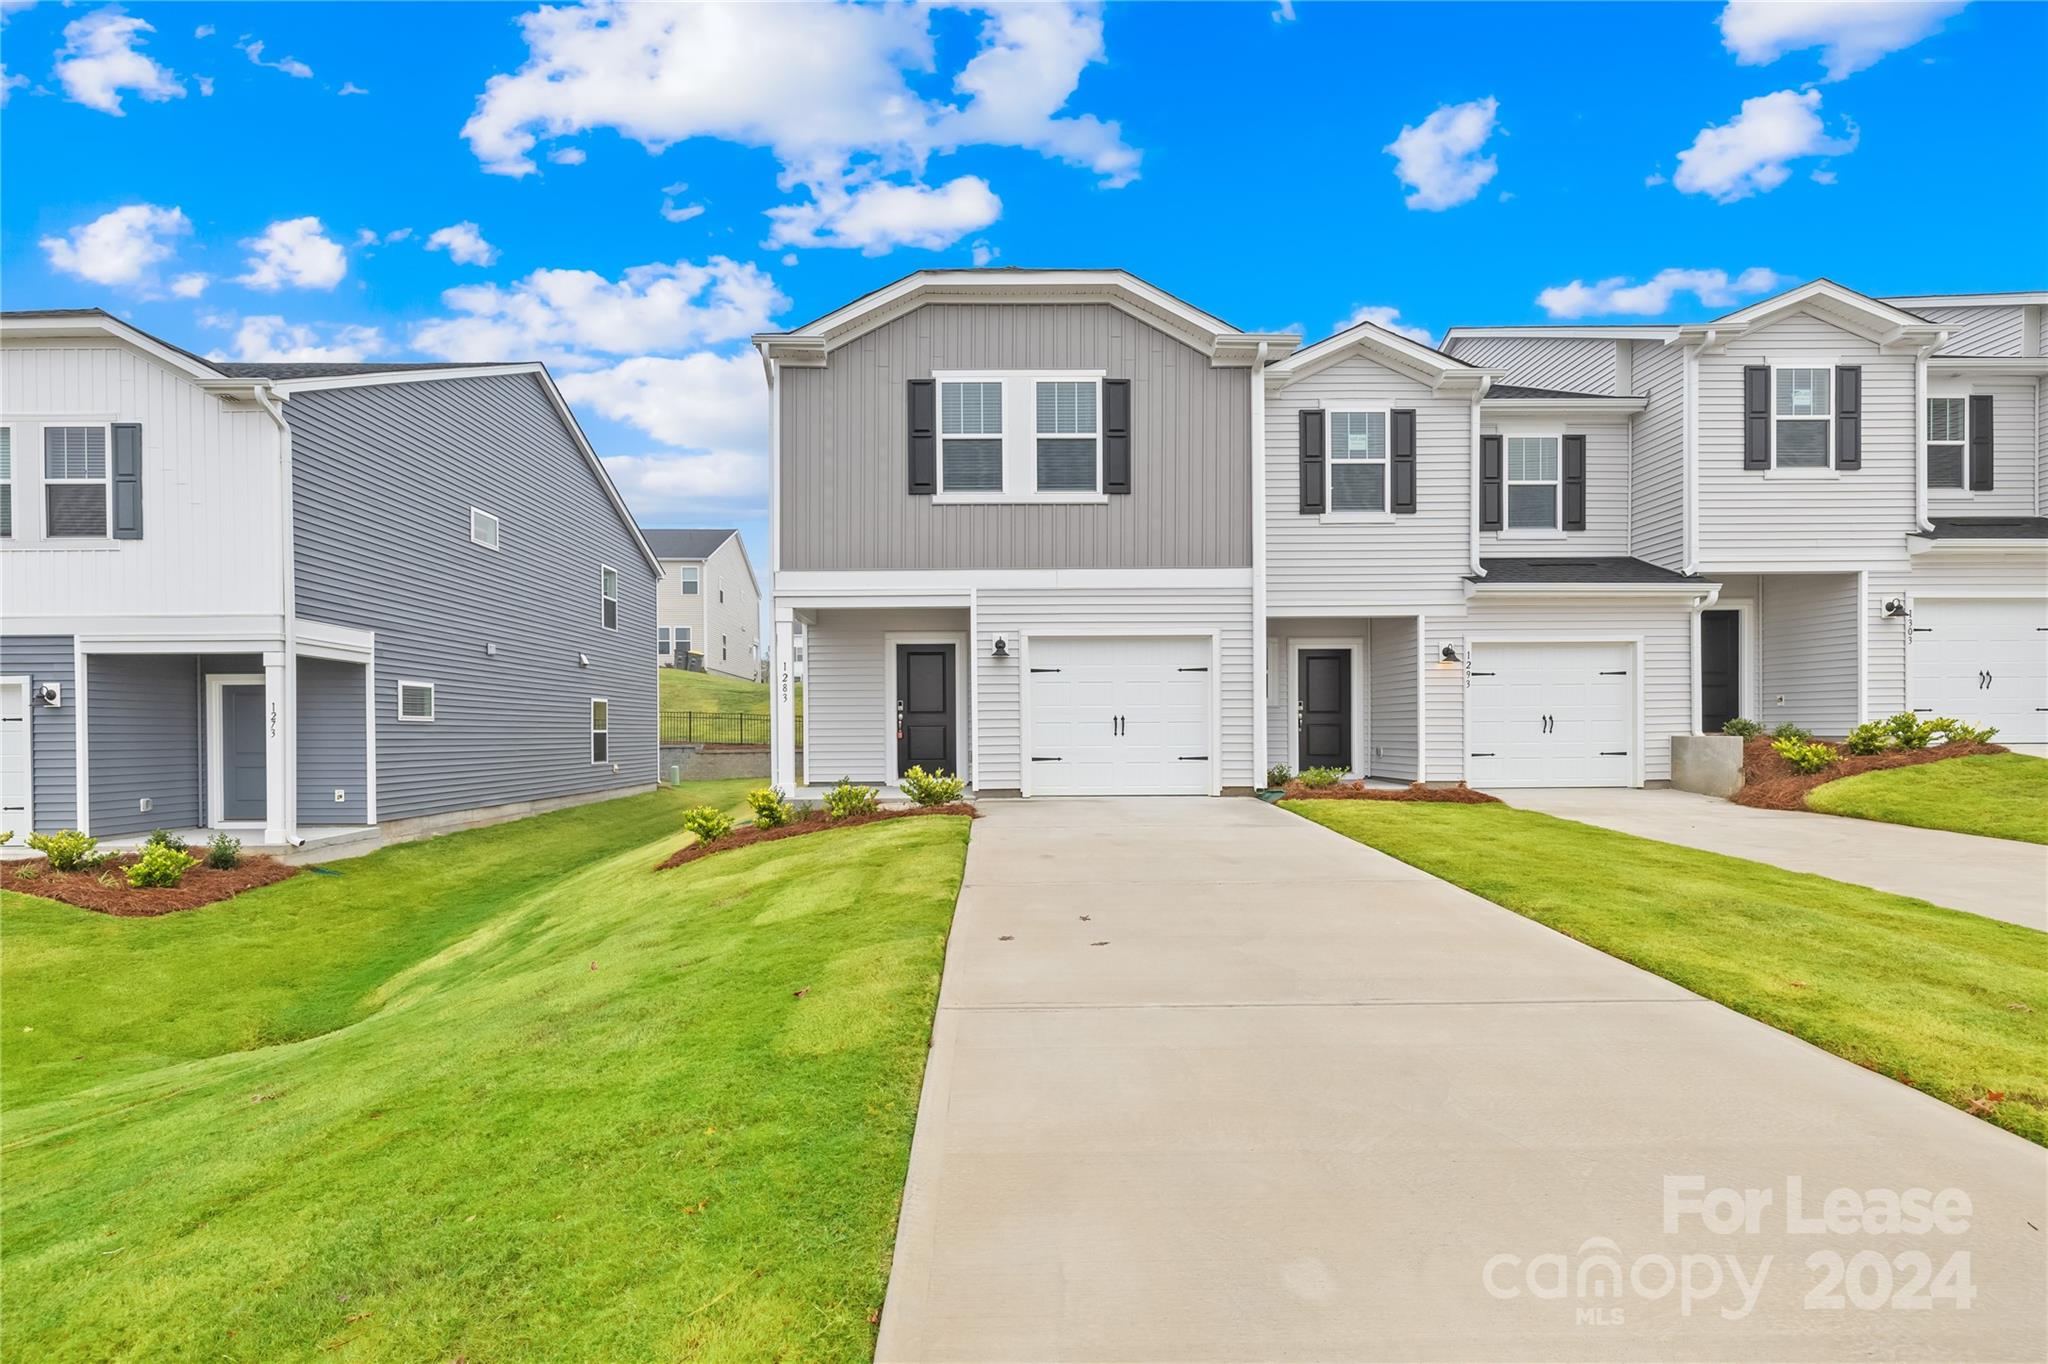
(709, 603)
(1065, 533)
(301, 599)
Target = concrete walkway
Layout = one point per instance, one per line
(1995, 877)
(1209, 1082)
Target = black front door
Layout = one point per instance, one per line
(1720, 669)
(1326, 708)
(925, 722)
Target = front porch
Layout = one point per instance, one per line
(1346, 692)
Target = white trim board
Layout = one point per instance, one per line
(966, 720)
(215, 794)
(1360, 744)
(28, 726)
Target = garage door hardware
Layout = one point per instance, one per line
(1199, 758)
(1044, 760)
(1481, 755)
(1202, 669)
(1045, 670)
(1613, 753)
(1480, 674)
(1983, 681)
(1615, 672)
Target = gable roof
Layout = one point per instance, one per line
(1383, 344)
(1859, 313)
(670, 543)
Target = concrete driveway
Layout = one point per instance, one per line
(1995, 877)
(1209, 1082)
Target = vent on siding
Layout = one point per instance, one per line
(415, 700)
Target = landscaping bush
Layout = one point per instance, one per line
(1316, 778)
(847, 799)
(161, 865)
(6, 837)
(1278, 775)
(707, 822)
(163, 838)
(1872, 736)
(223, 853)
(68, 850)
(1910, 731)
(1742, 729)
(771, 809)
(931, 788)
(1960, 733)
(1805, 755)
(1788, 730)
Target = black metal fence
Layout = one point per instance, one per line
(714, 727)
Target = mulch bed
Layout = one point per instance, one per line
(203, 885)
(810, 822)
(1460, 794)
(1771, 783)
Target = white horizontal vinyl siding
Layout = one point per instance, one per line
(1607, 493)
(1657, 502)
(2015, 450)
(1997, 329)
(1886, 639)
(1392, 700)
(1573, 364)
(1808, 643)
(846, 689)
(736, 620)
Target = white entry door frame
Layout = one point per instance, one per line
(1359, 746)
(17, 716)
(216, 801)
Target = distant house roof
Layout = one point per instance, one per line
(1614, 570)
(685, 544)
(1524, 391)
(236, 369)
(1989, 528)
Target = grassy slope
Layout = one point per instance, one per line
(2001, 795)
(1947, 1002)
(712, 692)
(572, 1118)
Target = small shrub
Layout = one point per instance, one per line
(1910, 731)
(1872, 736)
(1278, 775)
(163, 838)
(931, 788)
(771, 809)
(1316, 778)
(1805, 755)
(1742, 729)
(1788, 730)
(1960, 733)
(68, 850)
(707, 822)
(847, 799)
(161, 865)
(223, 853)
(6, 837)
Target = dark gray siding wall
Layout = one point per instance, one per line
(143, 714)
(845, 431)
(53, 740)
(331, 743)
(383, 480)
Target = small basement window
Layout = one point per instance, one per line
(75, 484)
(416, 701)
(483, 528)
(600, 729)
(1948, 421)
(608, 596)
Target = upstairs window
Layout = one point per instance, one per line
(75, 485)
(483, 529)
(1358, 461)
(971, 436)
(6, 482)
(1532, 482)
(1948, 438)
(608, 595)
(1803, 418)
(1069, 437)
(689, 578)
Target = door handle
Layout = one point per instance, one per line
(899, 717)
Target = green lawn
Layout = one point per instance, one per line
(1947, 1002)
(510, 1094)
(2002, 795)
(712, 692)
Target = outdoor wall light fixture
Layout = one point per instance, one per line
(1450, 653)
(1002, 647)
(1894, 606)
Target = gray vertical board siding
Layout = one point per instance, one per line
(142, 715)
(53, 734)
(1608, 478)
(384, 477)
(2015, 452)
(846, 690)
(1657, 454)
(844, 449)
(331, 740)
(1997, 329)
(1576, 365)
(1808, 643)
(1393, 714)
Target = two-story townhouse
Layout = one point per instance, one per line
(708, 607)
(305, 600)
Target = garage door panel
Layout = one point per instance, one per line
(1983, 661)
(1120, 716)
(1551, 714)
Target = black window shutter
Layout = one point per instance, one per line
(1756, 416)
(1311, 461)
(924, 437)
(1489, 483)
(127, 481)
(1980, 442)
(1116, 435)
(1574, 482)
(1849, 416)
(1402, 422)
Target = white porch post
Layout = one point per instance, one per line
(276, 732)
(782, 714)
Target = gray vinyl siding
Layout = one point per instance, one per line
(331, 720)
(1808, 643)
(1393, 698)
(143, 715)
(844, 449)
(1607, 491)
(1657, 482)
(53, 735)
(1575, 365)
(846, 725)
(1862, 517)
(385, 476)
(1314, 566)
(1981, 330)
(2015, 453)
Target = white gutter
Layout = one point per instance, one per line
(289, 587)
(1920, 436)
(1260, 682)
(1690, 453)
(1473, 519)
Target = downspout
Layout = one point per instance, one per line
(1261, 754)
(1690, 455)
(288, 586)
(1472, 475)
(1920, 518)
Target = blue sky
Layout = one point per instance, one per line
(628, 192)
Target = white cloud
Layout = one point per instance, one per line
(566, 316)
(1654, 179)
(983, 254)
(1619, 297)
(272, 339)
(121, 247)
(1748, 155)
(1852, 34)
(789, 258)
(880, 215)
(711, 408)
(99, 60)
(291, 66)
(1823, 177)
(190, 285)
(203, 31)
(1390, 319)
(351, 88)
(675, 487)
(567, 156)
(8, 84)
(370, 236)
(296, 253)
(1440, 161)
(464, 244)
(835, 106)
(671, 210)
(205, 85)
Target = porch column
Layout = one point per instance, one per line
(276, 732)
(782, 712)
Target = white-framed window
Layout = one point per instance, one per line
(6, 482)
(415, 701)
(1533, 482)
(600, 729)
(970, 436)
(1802, 417)
(721, 596)
(663, 644)
(1068, 454)
(608, 595)
(683, 642)
(1020, 436)
(483, 528)
(723, 656)
(76, 485)
(1948, 442)
(688, 578)
(1357, 463)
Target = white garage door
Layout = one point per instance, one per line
(1984, 662)
(1118, 717)
(14, 757)
(1551, 715)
